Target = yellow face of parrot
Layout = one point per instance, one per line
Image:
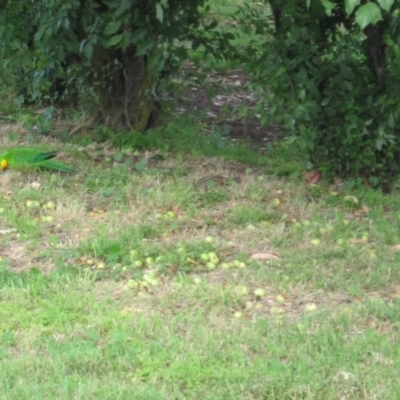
(4, 164)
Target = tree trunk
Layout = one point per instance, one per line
(376, 52)
(124, 87)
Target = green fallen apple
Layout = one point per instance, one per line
(259, 293)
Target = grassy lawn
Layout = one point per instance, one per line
(178, 266)
(133, 279)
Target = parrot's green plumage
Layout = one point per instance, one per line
(31, 157)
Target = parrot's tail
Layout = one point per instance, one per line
(55, 166)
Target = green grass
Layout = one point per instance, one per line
(141, 285)
(134, 278)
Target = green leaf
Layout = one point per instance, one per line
(386, 4)
(229, 36)
(88, 50)
(350, 5)
(212, 25)
(112, 27)
(325, 101)
(125, 41)
(379, 143)
(368, 14)
(144, 48)
(159, 12)
(82, 45)
(329, 6)
(123, 7)
(114, 40)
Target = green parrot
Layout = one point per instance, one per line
(25, 156)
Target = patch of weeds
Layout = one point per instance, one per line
(182, 136)
(144, 264)
(212, 197)
(386, 231)
(242, 215)
(315, 192)
(173, 195)
(21, 196)
(41, 124)
(110, 183)
(332, 199)
(256, 192)
(25, 223)
(34, 280)
(113, 250)
(284, 162)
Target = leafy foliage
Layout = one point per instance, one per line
(333, 83)
(115, 51)
(53, 31)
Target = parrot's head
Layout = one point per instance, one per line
(4, 164)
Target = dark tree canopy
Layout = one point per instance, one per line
(333, 81)
(111, 47)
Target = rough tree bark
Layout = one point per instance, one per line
(377, 52)
(124, 89)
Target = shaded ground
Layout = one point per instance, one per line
(218, 97)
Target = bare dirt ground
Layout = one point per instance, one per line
(217, 97)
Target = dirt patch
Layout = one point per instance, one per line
(218, 98)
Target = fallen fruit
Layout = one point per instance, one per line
(248, 305)
(133, 253)
(211, 265)
(137, 264)
(351, 199)
(32, 204)
(50, 205)
(241, 290)
(280, 299)
(310, 307)
(213, 257)
(276, 202)
(204, 257)
(197, 280)
(236, 263)
(276, 310)
(132, 284)
(149, 261)
(259, 293)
